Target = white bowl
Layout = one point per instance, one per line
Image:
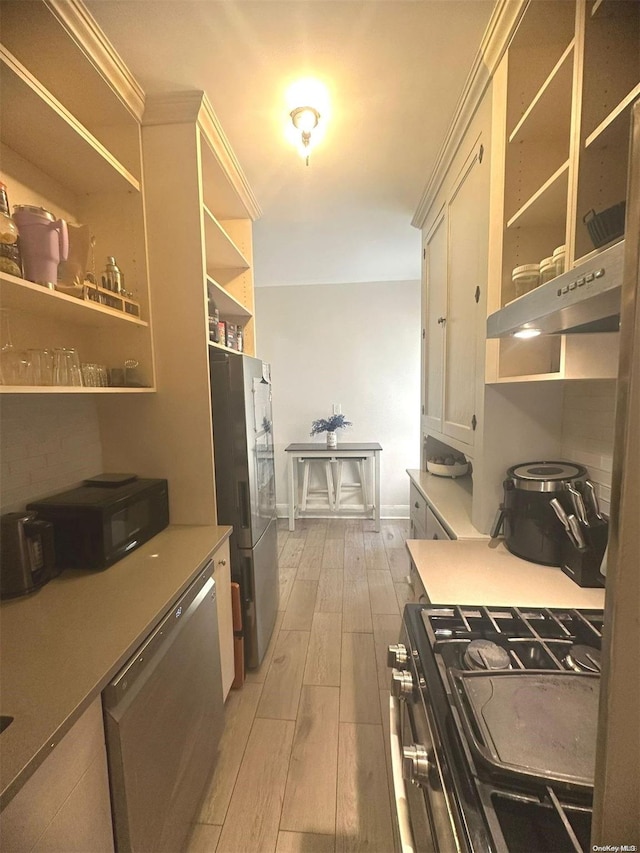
(458, 469)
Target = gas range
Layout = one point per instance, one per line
(493, 725)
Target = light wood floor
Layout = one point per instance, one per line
(304, 765)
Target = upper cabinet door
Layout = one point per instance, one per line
(468, 226)
(434, 304)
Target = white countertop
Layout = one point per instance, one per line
(450, 500)
(484, 572)
(62, 644)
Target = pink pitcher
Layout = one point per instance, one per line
(44, 242)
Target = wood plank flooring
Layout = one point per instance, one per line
(304, 765)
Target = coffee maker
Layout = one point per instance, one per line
(27, 556)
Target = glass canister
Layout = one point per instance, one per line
(547, 270)
(10, 260)
(559, 259)
(525, 278)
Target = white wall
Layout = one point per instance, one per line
(48, 443)
(588, 420)
(353, 344)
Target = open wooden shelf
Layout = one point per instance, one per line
(548, 205)
(550, 109)
(38, 126)
(69, 389)
(613, 118)
(221, 251)
(214, 345)
(30, 298)
(227, 305)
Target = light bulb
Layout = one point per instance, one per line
(305, 119)
(527, 333)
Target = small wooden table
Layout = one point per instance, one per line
(347, 450)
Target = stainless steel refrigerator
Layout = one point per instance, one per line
(245, 488)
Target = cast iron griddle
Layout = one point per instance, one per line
(536, 724)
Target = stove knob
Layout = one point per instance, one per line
(401, 683)
(397, 655)
(415, 764)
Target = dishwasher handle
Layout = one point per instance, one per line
(179, 614)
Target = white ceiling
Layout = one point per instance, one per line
(394, 71)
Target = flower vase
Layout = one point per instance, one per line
(332, 439)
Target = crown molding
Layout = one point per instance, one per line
(74, 16)
(502, 24)
(194, 107)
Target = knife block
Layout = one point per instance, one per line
(583, 567)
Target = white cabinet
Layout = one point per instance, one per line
(468, 217)
(423, 522)
(434, 527)
(65, 804)
(454, 292)
(418, 514)
(222, 577)
(434, 300)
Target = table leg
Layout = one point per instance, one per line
(293, 490)
(376, 463)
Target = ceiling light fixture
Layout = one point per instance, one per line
(305, 119)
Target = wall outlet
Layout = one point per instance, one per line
(337, 409)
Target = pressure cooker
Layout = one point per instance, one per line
(529, 522)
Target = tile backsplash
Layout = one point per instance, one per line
(588, 431)
(47, 443)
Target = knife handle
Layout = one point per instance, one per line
(593, 499)
(576, 532)
(578, 504)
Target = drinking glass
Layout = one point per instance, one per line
(13, 362)
(40, 367)
(90, 375)
(103, 378)
(66, 367)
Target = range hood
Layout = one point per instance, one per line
(584, 299)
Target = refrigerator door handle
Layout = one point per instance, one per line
(246, 586)
(243, 500)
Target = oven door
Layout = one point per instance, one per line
(423, 806)
(412, 814)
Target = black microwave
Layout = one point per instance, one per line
(97, 524)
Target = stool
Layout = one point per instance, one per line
(360, 486)
(308, 492)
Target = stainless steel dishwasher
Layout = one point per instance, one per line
(163, 718)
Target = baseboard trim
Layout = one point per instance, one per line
(388, 511)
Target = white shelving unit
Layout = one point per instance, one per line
(70, 136)
(200, 242)
(569, 76)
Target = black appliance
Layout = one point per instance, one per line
(27, 554)
(105, 519)
(494, 714)
(532, 529)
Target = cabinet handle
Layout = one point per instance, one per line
(417, 505)
(442, 320)
(222, 562)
